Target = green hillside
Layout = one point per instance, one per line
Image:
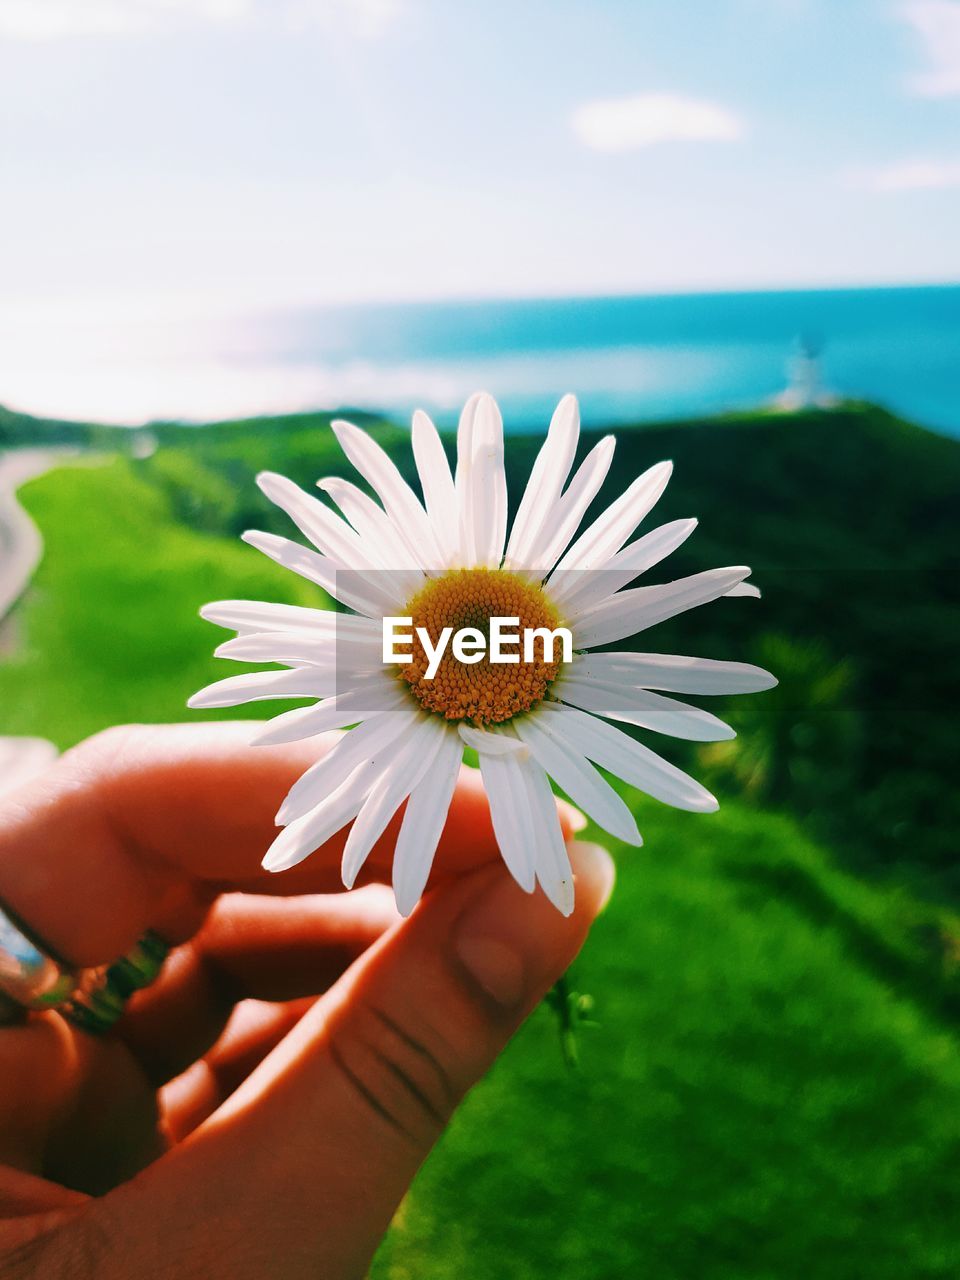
(109, 632)
(851, 522)
(773, 1089)
(759, 1099)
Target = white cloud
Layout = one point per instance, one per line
(53, 19)
(40, 20)
(363, 17)
(937, 23)
(626, 124)
(919, 174)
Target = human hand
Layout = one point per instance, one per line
(277, 1138)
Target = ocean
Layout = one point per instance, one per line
(627, 358)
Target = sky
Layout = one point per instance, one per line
(169, 165)
(273, 151)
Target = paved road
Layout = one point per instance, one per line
(21, 546)
(21, 549)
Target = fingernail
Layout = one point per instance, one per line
(576, 821)
(513, 945)
(603, 870)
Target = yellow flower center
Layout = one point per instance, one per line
(485, 692)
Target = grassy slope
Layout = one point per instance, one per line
(109, 632)
(774, 1090)
(758, 1102)
(851, 523)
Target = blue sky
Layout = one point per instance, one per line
(266, 151)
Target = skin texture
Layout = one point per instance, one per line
(262, 1109)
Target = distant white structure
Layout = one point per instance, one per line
(21, 546)
(144, 444)
(805, 389)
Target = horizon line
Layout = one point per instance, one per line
(98, 304)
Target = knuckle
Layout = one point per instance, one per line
(401, 1073)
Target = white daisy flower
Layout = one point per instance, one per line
(446, 561)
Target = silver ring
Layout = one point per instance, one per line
(32, 979)
(30, 976)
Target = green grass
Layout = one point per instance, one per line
(774, 1087)
(109, 630)
(758, 1101)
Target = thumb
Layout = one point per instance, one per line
(303, 1168)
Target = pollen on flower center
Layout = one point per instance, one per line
(485, 692)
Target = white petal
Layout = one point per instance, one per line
(399, 501)
(256, 686)
(629, 612)
(412, 760)
(481, 483)
(302, 560)
(609, 531)
(335, 713)
(552, 860)
(564, 520)
(575, 591)
(259, 615)
(547, 478)
(371, 742)
(295, 648)
(489, 483)
(367, 596)
(359, 509)
(301, 838)
(615, 750)
(493, 744)
(466, 552)
(378, 531)
(643, 708)
(423, 823)
(250, 618)
(744, 589)
(510, 813)
(578, 778)
(673, 672)
(328, 532)
(439, 493)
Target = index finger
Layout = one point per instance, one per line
(141, 826)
